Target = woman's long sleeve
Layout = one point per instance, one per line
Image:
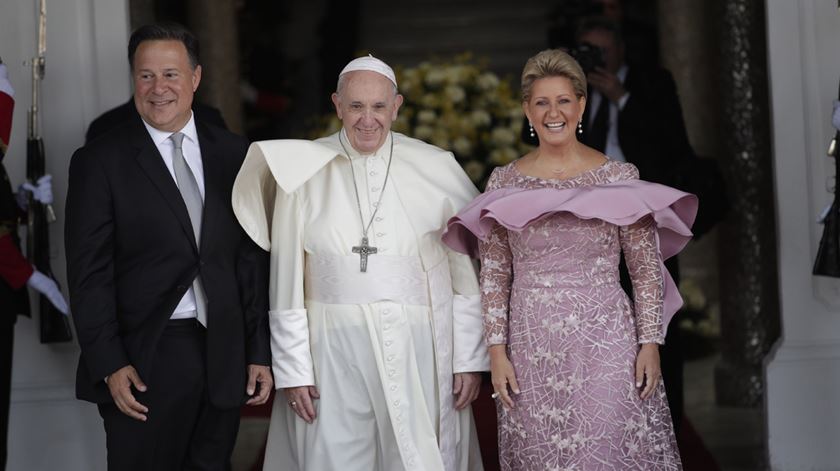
(641, 252)
(495, 280)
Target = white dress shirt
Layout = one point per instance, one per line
(613, 149)
(192, 154)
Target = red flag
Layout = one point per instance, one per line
(7, 105)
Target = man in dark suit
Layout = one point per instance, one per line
(633, 114)
(169, 296)
(642, 121)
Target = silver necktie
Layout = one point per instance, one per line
(195, 207)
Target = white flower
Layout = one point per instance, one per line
(423, 132)
(502, 137)
(487, 81)
(454, 74)
(435, 78)
(440, 138)
(430, 100)
(474, 169)
(426, 116)
(401, 124)
(480, 117)
(692, 294)
(455, 93)
(463, 147)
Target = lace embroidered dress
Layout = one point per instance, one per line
(550, 291)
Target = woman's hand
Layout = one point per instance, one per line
(648, 371)
(502, 375)
(300, 400)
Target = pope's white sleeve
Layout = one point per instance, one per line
(469, 351)
(291, 360)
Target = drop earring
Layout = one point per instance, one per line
(531, 129)
(580, 127)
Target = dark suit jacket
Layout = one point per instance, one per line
(651, 130)
(127, 111)
(131, 256)
(651, 133)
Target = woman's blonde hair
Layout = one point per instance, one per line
(552, 63)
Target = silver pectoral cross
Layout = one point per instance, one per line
(364, 250)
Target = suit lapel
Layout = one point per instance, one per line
(213, 182)
(152, 164)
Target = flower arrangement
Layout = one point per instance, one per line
(462, 107)
(698, 320)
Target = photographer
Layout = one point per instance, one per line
(634, 115)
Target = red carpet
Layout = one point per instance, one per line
(695, 456)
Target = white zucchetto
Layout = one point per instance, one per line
(372, 64)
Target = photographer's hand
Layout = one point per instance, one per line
(607, 84)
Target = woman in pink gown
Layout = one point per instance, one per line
(575, 363)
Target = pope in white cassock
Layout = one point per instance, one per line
(375, 325)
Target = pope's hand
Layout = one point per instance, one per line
(300, 400)
(465, 387)
(47, 286)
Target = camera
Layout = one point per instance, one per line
(589, 56)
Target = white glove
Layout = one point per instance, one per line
(41, 192)
(835, 119)
(46, 286)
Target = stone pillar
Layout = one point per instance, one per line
(214, 24)
(749, 285)
(688, 50)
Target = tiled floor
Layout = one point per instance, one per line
(735, 436)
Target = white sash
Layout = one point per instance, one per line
(336, 279)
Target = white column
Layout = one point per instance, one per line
(803, 375)
(87, 73)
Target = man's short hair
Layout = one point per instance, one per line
(163, 32)
(599, 23)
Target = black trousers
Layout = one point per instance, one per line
(183, 430)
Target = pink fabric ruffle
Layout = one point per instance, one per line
(621, 203)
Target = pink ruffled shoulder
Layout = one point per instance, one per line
(621, 203)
